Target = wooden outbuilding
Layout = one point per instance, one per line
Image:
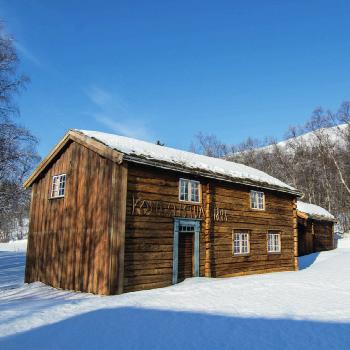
(315, 229)
(110, 214)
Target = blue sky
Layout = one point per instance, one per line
(169, 69)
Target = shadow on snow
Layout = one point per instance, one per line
(307, 260)
(136, 328)
(11, 269)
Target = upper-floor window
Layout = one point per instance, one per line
(240, 242)
(257, 200)
(189, 191)
(58, 186)
(273, 242)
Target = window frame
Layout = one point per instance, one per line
(240, 232)
(274, 233)
(189, 191)
(52, 190)
(251, 200)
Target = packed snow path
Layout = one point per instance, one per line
(289, 310)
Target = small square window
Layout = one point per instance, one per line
(58, 186)
(189, 191)
(257, 200)
(241, 243)
(273, 242)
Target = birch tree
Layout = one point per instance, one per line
(315, 158)
(17, 145)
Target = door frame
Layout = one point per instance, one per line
(197, 227)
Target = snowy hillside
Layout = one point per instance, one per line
(310, 138)
(308, 309)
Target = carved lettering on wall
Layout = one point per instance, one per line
(220, 214)
(143, 207)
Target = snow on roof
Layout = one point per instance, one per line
(219, 167)
(314, 210)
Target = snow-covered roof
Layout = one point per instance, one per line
(172, 158)
(314, 211)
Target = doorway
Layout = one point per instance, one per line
(185, 249)
(305, 240)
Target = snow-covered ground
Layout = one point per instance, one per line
(12, 260)
(308, 309)
(14, 246)
(345, 242)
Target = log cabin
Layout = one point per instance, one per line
(315, 228)
(111, 214)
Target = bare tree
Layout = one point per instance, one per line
(327, 145)
(11, 82)
(209, 145)
(17, 145)
(314, 158)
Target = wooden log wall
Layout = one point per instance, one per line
(295, 231)
(70, 238)
(113, 230)
(315, 236)
(324, 237)
(277, 216)
(148, 233)
(149, 228)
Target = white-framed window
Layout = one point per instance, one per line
(240, 243)
(58, 186)
(189, 191)
(273, 242)
(257, 200)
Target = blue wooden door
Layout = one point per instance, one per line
(185, 249)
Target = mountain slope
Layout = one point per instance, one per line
(332, 134)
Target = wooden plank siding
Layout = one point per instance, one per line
(149, 235)
(71, 239)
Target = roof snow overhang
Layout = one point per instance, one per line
(118, 157)
(208, 174)
(307, 216)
